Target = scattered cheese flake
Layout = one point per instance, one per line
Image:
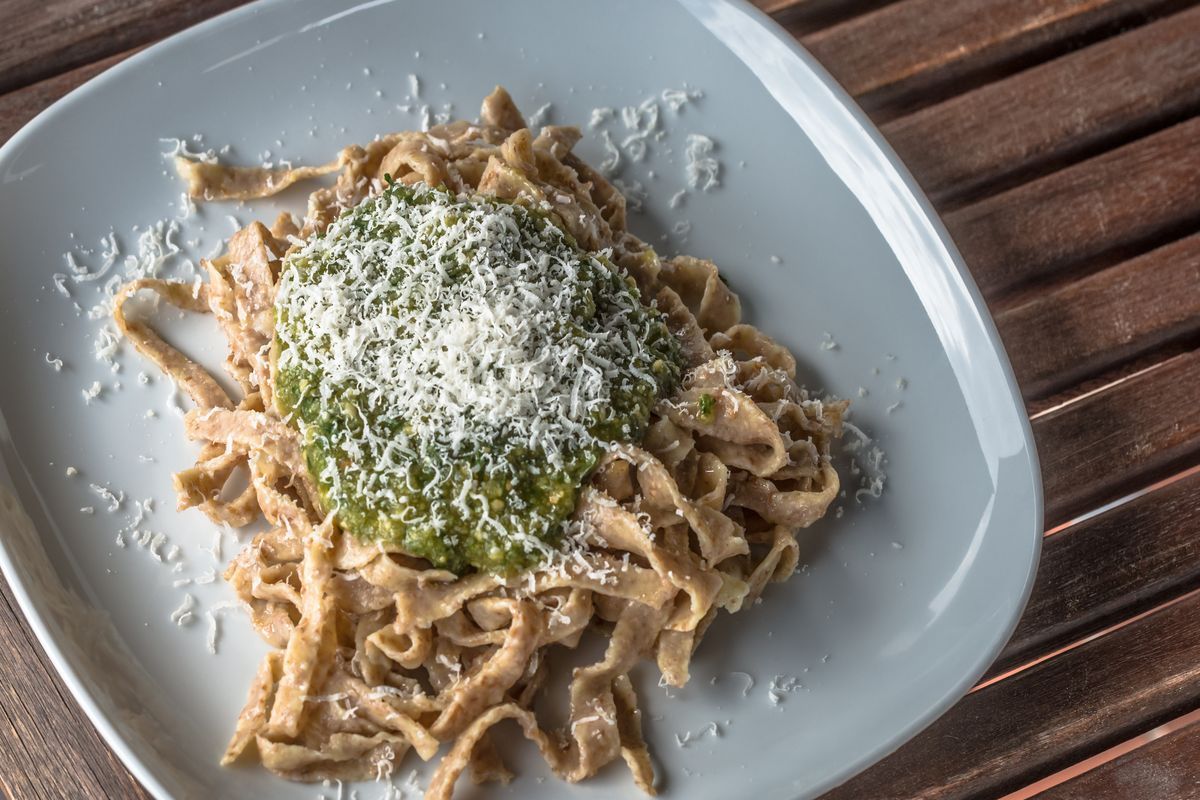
(612, 156)
(179, 147)
(678, 98)
(749, 681)
(183, 615)
(687, 737)
(781, 685)
(703, 170)
(215, 550)
(214, 633)
(599, 116)
(105, 493)
(539, 118)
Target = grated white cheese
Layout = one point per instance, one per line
(612, 156)
(703, 170)
(781, 686)
(685, 739)
(183, 615)
(214, 629)
(459, 357)
(105, 493)
(179, 147)
(215, 550)
(749, 682)
(600, 116)
(540, 117)
(676, 99)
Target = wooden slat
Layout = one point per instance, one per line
(934, 48)
(1096, 573)
(1102, 446)
(1060, 336)
(1109, 206)
(1038, 721)
(22, 105)
(805, 16)
(39, 39)
(1039, 405)
(51, 749)
(1164, 769)
(1055, 112)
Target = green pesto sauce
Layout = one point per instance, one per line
(416, 500)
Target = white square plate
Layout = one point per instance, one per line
(902, 603)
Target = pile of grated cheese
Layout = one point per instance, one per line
(450, 330)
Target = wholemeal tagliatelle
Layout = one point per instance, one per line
(480, 419)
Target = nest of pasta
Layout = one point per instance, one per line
(374, 651)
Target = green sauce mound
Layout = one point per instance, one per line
(457, 366)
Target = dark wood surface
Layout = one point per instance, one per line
(1165, 767)
(1060, 139)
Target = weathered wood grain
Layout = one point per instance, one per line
(1105, 445)
(805, 16)
(929, 49)
(1060, 336)
(1108, 568)
(1099, 210)
(40, 39)
(49, 748)
(1164, 769)
(1054, 113)
(1049, 716)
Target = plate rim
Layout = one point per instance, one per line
(970, 289)
(870, 136)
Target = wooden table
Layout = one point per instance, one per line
(1060, 140)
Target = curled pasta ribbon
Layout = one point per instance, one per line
(375, 652)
